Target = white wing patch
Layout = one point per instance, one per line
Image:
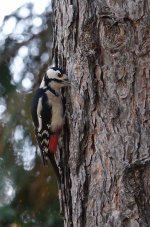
(39, 109)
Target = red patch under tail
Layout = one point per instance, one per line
(53, 142)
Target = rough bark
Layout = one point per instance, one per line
(104, 45)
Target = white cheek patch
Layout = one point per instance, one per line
(52, 73)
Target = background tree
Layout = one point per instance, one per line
(105, 46)
(28, 194)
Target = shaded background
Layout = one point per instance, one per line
(28, 192)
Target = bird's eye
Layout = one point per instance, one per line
(60, 75)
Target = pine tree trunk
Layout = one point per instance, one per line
(104, 45)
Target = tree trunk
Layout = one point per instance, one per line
(104, 45)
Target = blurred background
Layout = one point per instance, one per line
(28, 190)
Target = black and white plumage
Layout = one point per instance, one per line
(48, 114)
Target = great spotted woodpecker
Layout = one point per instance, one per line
(48, 113)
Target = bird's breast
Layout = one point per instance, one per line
(57, 117)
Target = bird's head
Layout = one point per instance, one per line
(55, 78)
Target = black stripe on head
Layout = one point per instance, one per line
(56, 80)
(48, 80)
(62, 71)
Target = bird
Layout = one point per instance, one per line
(48, 114)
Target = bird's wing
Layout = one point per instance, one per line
(42, 121)
(46, 139)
